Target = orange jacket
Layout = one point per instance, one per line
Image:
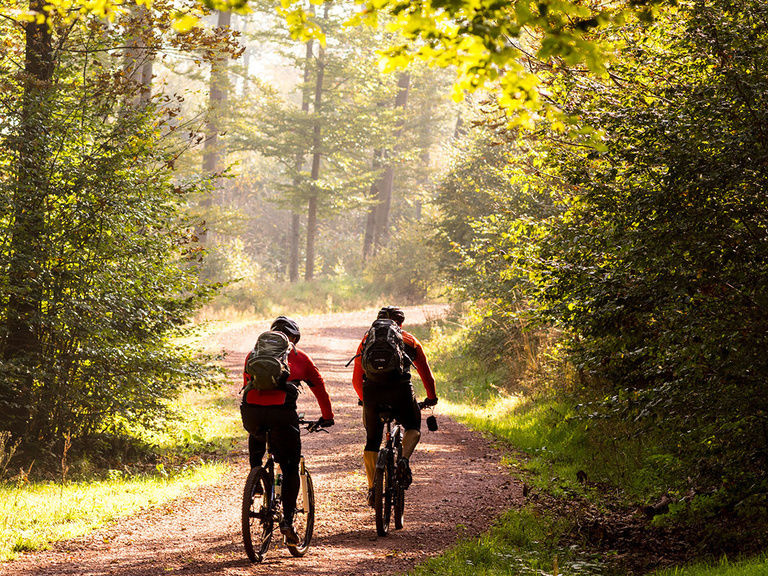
(415, 352)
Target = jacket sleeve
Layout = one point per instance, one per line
(422, 367)
(314, 379)
(357, 372)
(245, 374)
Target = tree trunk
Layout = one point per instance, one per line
(383, 209)
(213, 152)
(244, 87)
(21, 345)
(295, 219)
(374, 196)
(293, 272)
(138, 57)
(426, 136)
(145, 92)
(311, 232)
(458, 129)
(316, 155)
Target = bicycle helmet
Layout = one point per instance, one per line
(288, 327)
(393, 313)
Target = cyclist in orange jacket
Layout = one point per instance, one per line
(275, 410)
(399, 396)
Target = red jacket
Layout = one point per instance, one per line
(414, 350)
(302, 368)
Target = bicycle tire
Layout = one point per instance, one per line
(398, 493)
(257, 514)
(304, 520)
(382, 495)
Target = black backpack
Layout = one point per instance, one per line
(383, 355)
(267, 364)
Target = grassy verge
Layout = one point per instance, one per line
(555, 449)
(206, 423)
(145, 469)
(32, 515)
(751, 567)
(521, 542)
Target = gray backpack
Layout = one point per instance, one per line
(267, 364)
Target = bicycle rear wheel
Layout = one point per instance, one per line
(257, 516)
(304, 518)
(398, 493)
(398, 503)
(382, 494)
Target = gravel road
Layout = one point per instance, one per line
(459, 488)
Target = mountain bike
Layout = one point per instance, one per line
(388, 488)
(388, 493)
(262, 505)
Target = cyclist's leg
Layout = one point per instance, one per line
(257, 445)
(374, 429)
(286, 446)
(409, 416)
(253, 423)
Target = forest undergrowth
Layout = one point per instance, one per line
(103, 478)
(602, 497)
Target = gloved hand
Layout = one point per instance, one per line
(429, 402)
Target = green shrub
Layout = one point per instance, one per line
(405, 268)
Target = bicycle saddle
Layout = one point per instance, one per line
(386, 412)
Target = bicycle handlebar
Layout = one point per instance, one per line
(313, 425)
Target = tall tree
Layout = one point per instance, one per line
(218, 94)
(295, 216)
(384, 204)
(373, 196)
(139, 54)
(23, 319)
(309, 267)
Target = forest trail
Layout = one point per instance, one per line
(459, 488)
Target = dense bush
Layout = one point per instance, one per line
(650, 253)
(90, 298)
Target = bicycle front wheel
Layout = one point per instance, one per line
(257, 514)
(304, 518)
(382, 494)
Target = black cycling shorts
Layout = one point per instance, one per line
(399, 398)
(282, 423)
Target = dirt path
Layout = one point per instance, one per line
(458, 489)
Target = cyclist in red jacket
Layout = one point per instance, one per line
(275, 411)
(399, 395)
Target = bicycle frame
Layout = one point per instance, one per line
(388, 493)
(263, 507)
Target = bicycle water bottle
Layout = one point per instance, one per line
(278, 480)
(304, 489)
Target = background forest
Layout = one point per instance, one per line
(585, 184)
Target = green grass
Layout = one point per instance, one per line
(548, 428)
(751, 567)
(32, 515)
(521, 542)
(554, 441)
(247, 298)
(206, 423)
